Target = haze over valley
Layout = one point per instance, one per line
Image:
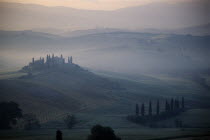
(135, 69)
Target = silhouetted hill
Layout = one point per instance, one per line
(52, 93)
(200, 30)
(88, 39)
(195, 30)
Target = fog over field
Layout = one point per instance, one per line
(128, 52)
(91, 35)
(141, 70)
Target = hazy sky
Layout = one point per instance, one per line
(92, 4)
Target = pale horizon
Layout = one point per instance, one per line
(93, 4)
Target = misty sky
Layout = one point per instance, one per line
(94, 4)
(20, 46)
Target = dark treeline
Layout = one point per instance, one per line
(172, 108)
(97, 132)
(11, 116)
(9, 113)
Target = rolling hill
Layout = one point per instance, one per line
(144, 67)
(58, 91)
(111, 50)
(52, 93)
(201, 30)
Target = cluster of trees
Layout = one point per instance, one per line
(173, 105)
(98, 132)
(172, 108)
(30, 122)
(70, 121)
(11, 115)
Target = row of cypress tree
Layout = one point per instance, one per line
(173, 105)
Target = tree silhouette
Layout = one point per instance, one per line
(158, 108)
(70, 121)
(58, 135)
(30, 122)
(167, 106)
(176, 104)
(172, 104)
(178, 123)
(182, 102)
(142, 110)
(9, 112)
(99, 132)
(137, 110)
(150, 108)
(173, 107)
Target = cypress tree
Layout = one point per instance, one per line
(142, 110)
(172, 104)
(137, 110)
(158, 108)
(182, 102)
(150, 108)
(175, 104)
(33, 60)
(167, 106)
(58, 135)
(178, 106)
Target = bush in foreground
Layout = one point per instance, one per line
(9, 113)
(70, 121)
(99, 132)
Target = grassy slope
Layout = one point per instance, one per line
(191, 118)
(167, 86)
(33, 98)
(52, 94)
